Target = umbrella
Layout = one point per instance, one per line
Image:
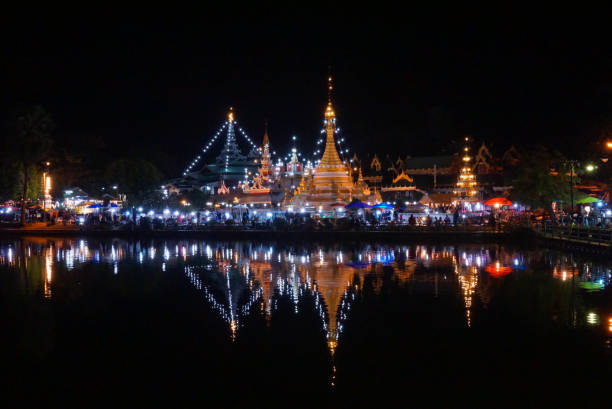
(94, 206)
(588, 199)
(357, 205)
(498, 201)
(384, 205)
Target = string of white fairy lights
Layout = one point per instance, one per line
(205, 148)
(342, 150)
(244, 134)
(208, 145)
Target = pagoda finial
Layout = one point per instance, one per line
(330, 87)
(266, 138)
(329, 111)
(230, 115)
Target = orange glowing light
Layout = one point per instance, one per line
(497, 270)
(563, 273)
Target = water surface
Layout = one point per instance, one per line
(229, 324)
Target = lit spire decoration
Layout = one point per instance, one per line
(266, 161)
(231, 151)
(331, 122)
(330, 156)
(466, 185)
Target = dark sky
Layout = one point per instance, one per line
(408, 84)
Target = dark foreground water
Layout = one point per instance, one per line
(114, 323)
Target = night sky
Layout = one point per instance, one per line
(160, 85)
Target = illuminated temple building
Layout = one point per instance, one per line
(332, 182)
(257, 180)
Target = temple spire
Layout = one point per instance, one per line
(330, 115)
(266, 138)
(231, 151)
(330, 158)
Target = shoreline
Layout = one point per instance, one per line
(248, 234)
(521, 237)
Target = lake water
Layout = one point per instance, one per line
(101, 323)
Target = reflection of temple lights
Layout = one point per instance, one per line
(48, 271)
(564, 274)
(592, 318)
(497, 270)
(297, 271)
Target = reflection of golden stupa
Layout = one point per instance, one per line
(332, 181)
(468, 280)
(332, 280)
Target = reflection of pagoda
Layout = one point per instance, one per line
(467, 272)
(332, 181)
(326, 275)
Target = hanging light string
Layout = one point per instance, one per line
(205, 149)
(244, 134)
(342, 150)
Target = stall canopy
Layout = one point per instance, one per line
(384, 205)
(498, 201)
(588, 200)
(357, 205)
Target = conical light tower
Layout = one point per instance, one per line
(466, 185)
(231, 151)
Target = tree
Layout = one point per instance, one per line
(135, 178)
(542, 177)
(8, 178)
(30, 145)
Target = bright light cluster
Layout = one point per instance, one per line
(467, 180)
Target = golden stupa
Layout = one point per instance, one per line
(331, 181)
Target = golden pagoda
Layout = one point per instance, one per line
(466, 185)
(332, 181)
